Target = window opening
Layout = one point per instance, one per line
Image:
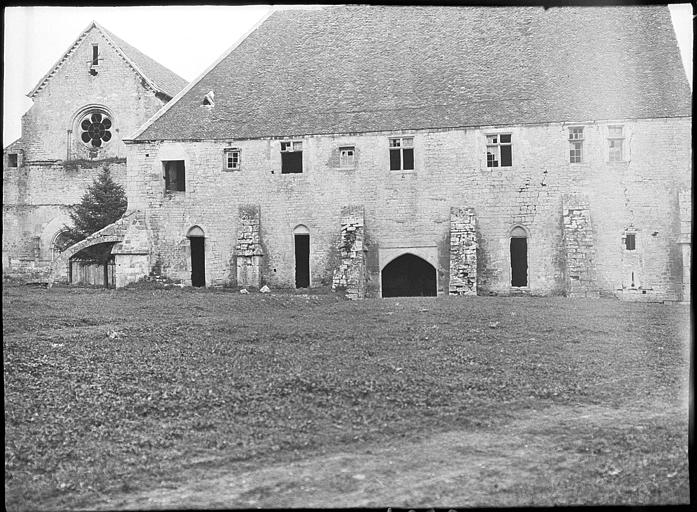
(231, 159)
(12, 160)
(575, 145)
(347, 156)
(302, 260)
(95, 129)
(402, 154)
(95, 54)
(615, 143)
(175, 176)
(498, 150)
(291, 157)
(408, 276)
(630, 241)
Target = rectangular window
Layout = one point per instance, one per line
(95, 54)
(498, 150)
(402, 154)
(615, 143)
(347, 156)
(12, 160)
(175, 177)
(291, 157)
(630, 241)
(231, 159)
(576, 145)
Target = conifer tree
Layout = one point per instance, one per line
(104, 202)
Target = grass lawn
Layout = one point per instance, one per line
(119, 392)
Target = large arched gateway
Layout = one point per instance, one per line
(408, 276)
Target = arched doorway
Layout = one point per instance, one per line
(301, 236)
(519, 257)
(408, 276)
(198, 256)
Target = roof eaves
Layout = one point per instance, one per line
(61, 60)
(193, 83)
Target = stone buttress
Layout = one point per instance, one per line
(463, 251)
(248, 250)
(351, 272)
(579, 248)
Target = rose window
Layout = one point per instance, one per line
(96, 129)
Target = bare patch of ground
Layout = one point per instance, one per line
(542, 458)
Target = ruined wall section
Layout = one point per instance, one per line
(579, 247)
(463, 252)
(350, 274)
(248, 250)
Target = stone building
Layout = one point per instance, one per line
(423, 151)
(99, 90)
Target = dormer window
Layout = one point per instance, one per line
(208, 99)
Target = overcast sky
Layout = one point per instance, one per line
(185, 39)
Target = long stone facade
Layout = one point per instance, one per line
(575, 216)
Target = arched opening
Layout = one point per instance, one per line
(94, 265)
(198, 256)
(59, 243)
(301, 236)
(408, 276)
(519, 257)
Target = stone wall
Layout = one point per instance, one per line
(350, 274)
(579, 247)
(248, 250)
(409, 211)
(463, 252)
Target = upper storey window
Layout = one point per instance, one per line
(347, 156)
(402, 154)
(231, 159)
(498, 150)
(95, 54)
(576, 145)
(95, 129)
(615, 143)
(291, 157)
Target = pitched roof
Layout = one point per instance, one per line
(155, 74)
(345, 69)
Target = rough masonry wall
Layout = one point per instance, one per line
(463, 251)
(579, 247)
(409, 211)
(248, 249)
(350, 274)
